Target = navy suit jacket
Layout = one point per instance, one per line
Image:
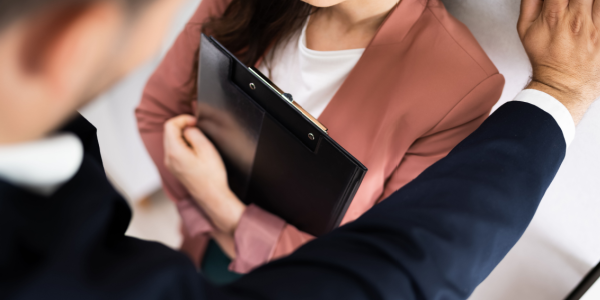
(436, 238)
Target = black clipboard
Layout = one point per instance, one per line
(277, 156)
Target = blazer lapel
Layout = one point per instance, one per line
(393, 31)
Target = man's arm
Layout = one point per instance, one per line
(440, 235)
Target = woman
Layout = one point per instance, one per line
(398, 84)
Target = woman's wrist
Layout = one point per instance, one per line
(195, 161)
(222, 206)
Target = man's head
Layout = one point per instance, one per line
(56, 55)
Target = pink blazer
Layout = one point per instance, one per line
(422, 85)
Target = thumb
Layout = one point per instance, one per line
(530, 11)
(197, 140)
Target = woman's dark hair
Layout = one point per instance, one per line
(248, 28)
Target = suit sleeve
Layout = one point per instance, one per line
(459, 123)
(439, 236)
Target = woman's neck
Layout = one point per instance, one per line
(351, 24)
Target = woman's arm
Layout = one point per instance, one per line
(168, 93)
(459, 123)
(261, 237)
(246, 233)
(171, 91)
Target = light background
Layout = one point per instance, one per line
(560, 246)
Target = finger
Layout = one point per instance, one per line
(173, 134)
(596, 13)
(181, 122)
(197, 139)
(553, 10)
(580, 14)
(530, 12)
(174, 127)
(582, 6)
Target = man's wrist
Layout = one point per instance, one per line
(561, 94)
(573, 100)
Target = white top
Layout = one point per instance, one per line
(312, 77)
(42, 166)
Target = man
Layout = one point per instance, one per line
(62, 225)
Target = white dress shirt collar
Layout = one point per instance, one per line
(42, 166)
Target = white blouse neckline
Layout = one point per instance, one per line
(305, 50)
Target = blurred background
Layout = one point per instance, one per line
(559, 248)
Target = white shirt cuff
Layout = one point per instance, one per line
(552, 106)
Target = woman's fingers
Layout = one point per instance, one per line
(530, 12)
(196, 138)
(175, 145)
(179, 123)
(175, 126)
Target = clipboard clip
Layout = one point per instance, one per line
(288, 97)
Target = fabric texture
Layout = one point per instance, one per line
(436, 238)
(420, 87)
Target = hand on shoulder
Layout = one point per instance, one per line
(562, 40)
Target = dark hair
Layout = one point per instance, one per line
(249, 27)
(12, 10)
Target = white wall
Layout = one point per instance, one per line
(563, 241)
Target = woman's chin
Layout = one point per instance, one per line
(323, 3)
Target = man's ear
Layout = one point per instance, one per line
(67, 45)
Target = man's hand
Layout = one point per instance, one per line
(194, 160)
(562, 40)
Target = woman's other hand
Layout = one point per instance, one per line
(196, 163)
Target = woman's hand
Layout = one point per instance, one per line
(194, 160)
